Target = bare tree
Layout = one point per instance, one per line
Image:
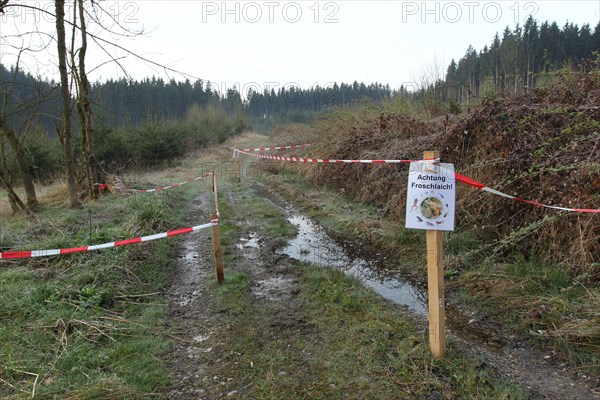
(84, 108)
(65, 129)
(73, 74)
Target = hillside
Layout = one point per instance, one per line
(533, 269)
(541, 146)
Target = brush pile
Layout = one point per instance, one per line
(543, 145)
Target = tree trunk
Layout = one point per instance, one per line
(24, 172)
(65, 130)
(85, 111)
(15, 202)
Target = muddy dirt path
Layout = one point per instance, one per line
(200, 360)
(202, 364)
(539, 372)
(193, 318)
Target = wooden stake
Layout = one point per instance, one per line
(435, 282)
(236, 168)
(217, 236)
(218, 256)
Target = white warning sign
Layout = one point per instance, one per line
(431, 196)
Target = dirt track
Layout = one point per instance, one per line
(205, 368)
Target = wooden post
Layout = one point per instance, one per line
(217, 235)
(218, 255)
(435, 282)
(236, 168)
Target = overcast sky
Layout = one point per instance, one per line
(262, 44)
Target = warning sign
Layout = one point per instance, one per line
(431, 196)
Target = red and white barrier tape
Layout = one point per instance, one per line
(332, 161)
(297, 146)
(104, 186)
(481, 186)
(459, 177)
(43, 253)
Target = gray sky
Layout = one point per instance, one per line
(263, 44)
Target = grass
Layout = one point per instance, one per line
(336, 339)
(70, 327)
(344, 341)
(543, 298)
(527, 295)
(231, 293)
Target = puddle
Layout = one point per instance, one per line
(249, 247)
(313, 245)
(189, 252)
(252, 241)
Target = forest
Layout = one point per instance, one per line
(149, 122)
(520, 58)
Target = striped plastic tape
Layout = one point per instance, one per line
(105, 185)
(481, 186)
(297, 146)
(332, 161)
(461, 178)
(44, 253)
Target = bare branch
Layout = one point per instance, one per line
(98, 39)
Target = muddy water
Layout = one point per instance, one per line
(313, 245)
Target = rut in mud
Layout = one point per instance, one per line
(200, 357)
(202, 365)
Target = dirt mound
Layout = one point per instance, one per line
(542, 146)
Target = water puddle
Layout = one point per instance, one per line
(249, 247)
(251, 241)
(313, 245)
(189, 252)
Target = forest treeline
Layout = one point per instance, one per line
(155, 120)
(514, 60)
(521, 57)
(122, 103)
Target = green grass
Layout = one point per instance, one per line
(232, 293)
(241, 205)
(346, 342)
(523, 294)
(69, 319)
